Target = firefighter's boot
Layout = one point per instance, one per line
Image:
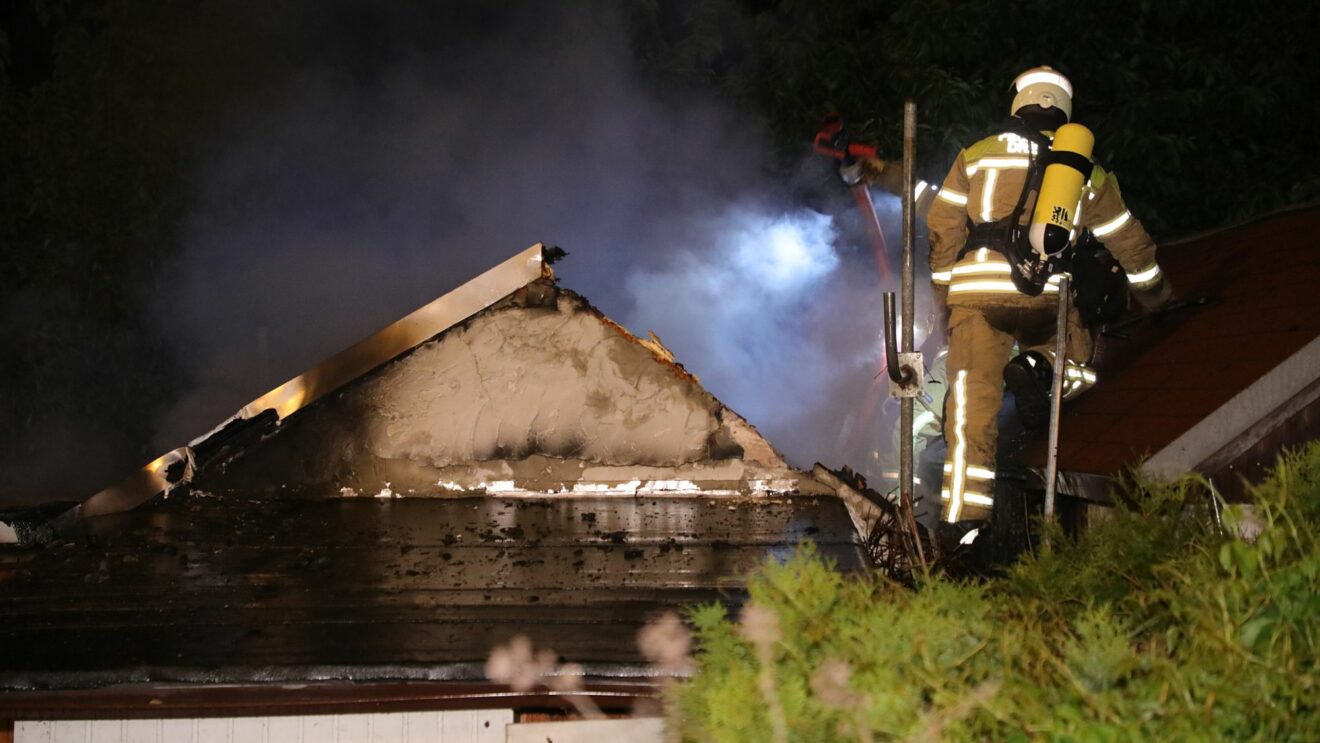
(1029, 376)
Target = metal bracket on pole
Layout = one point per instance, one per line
(1056, 396)
(905, 367)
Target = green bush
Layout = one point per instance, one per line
(1154, 626)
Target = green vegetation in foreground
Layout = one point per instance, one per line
(1153, 627)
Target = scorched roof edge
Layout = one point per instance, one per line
(428, 321)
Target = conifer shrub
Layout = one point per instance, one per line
(1158, 624)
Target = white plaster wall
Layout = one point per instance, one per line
(535, 380)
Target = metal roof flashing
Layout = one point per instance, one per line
(1228, 431)
(175, 467)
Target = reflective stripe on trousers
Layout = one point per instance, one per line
(981, 340)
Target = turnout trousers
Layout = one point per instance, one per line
(981, 341)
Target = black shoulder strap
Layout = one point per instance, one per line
(1035, 170)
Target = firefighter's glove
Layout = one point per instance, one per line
(1155, 297)
(851, 172)
(856, 171)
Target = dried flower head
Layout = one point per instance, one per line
(522, 669)
(666, 642)
(513, 664)
(759, 626)
(546, 660)
(830, 684)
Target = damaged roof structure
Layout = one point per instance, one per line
(504, 461)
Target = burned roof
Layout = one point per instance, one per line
(539, 393)
(505, 461)
(507, 384)
(246, 589)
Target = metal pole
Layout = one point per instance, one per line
(1056, 396)
(905, 404)
(909, 304)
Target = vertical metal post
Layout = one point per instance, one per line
(1056, 396)
(905, 343)
(909, 303)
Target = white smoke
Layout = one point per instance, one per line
(338, 202)
(739, 308)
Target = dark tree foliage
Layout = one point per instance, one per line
(1206, 109)
(90, 198)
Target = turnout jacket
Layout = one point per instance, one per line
(984, 185)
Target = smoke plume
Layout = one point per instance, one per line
(361, 180)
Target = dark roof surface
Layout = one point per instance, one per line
(237, 590)
(1263, 285)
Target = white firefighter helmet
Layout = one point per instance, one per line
(1044, 87)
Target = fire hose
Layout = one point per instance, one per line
(833, 141)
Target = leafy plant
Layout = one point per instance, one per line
(1156, 625)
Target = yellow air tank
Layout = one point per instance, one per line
(1061, 189)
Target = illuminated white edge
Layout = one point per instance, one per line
(980, 473)
(1236, 417)
(975, 268)
(968, 496)
(1144, 278)
(959, 446)
(1048, 78)
(635, 487)
(994, 267)
(988, 195)
(996, 287)
(952, 196)
(413, 329)
(1113, 225)
(996, 161)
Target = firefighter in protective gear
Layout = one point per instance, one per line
(969, 222)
